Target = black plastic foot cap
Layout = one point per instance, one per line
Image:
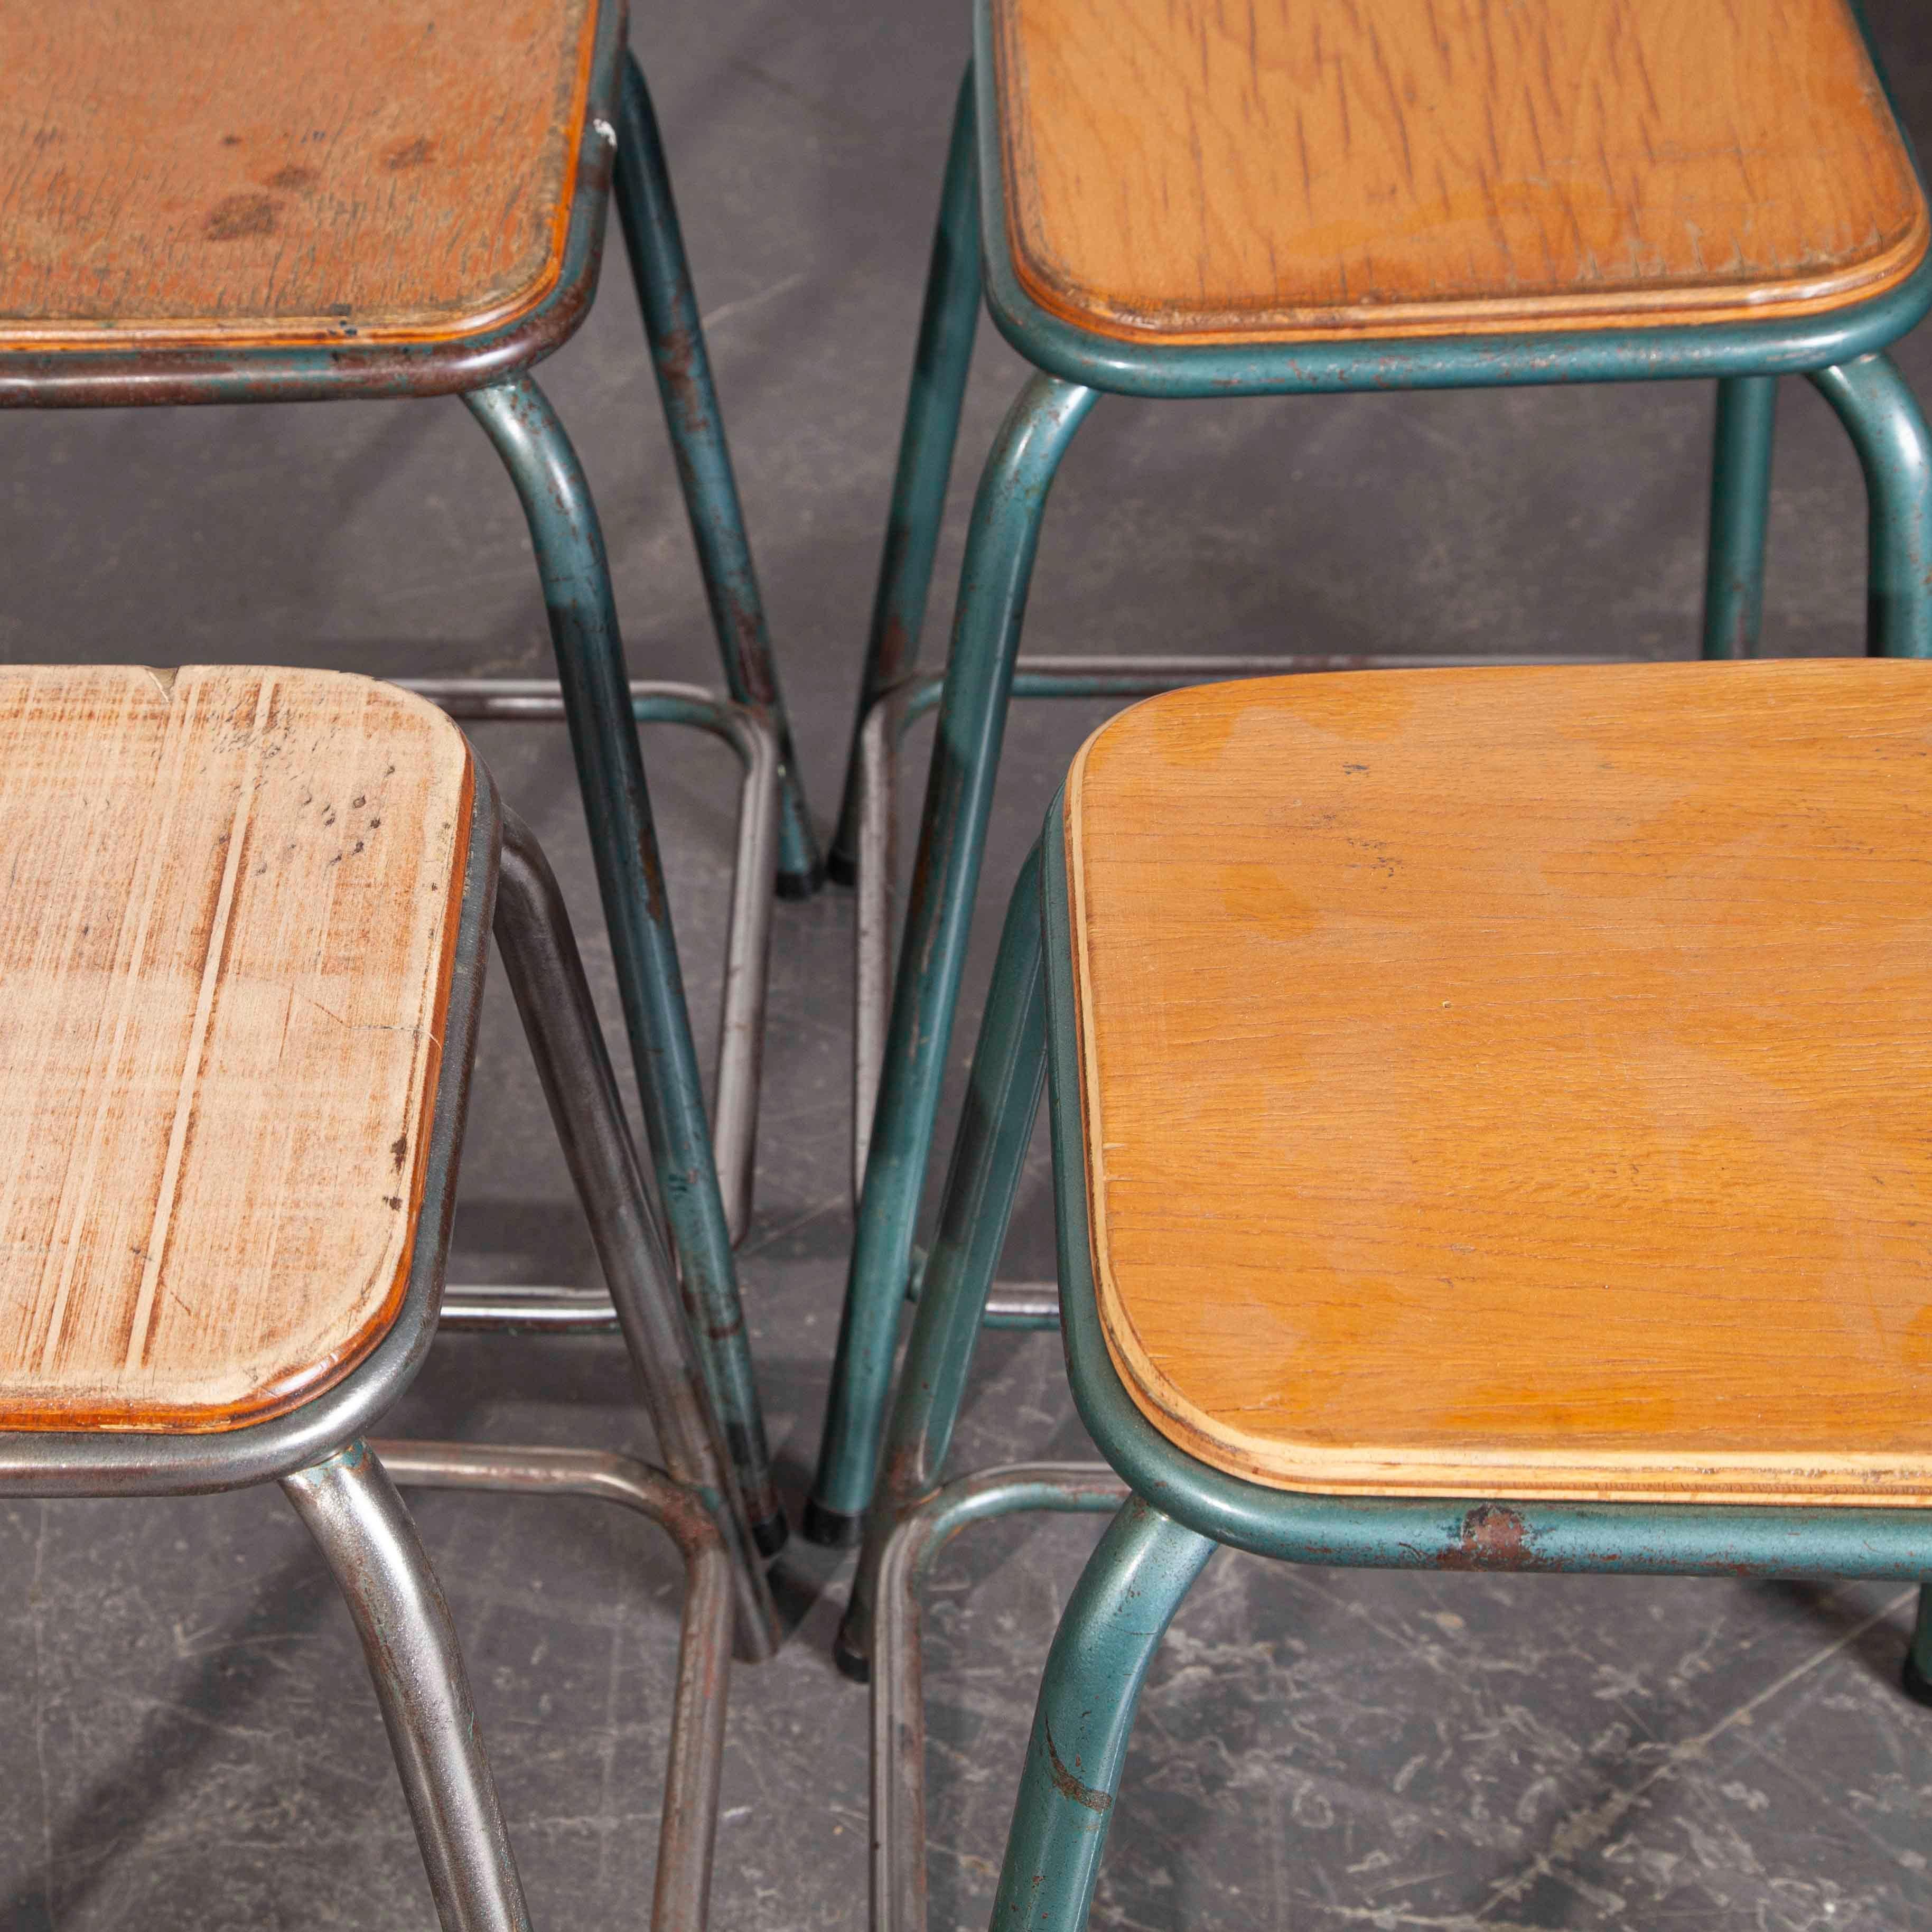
(799, 885)
(771, 1534)
(854, 1665)
(832, 1529)
(1917, 1686)
(841, 868)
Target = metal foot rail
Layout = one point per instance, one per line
(898, 709)
(689, 1828)
(897, 1681)
(741, 1022)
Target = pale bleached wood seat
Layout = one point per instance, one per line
(1278, 170)
(1518, 1083)
(189, 172)
(226, 945)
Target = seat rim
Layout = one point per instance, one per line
(169, 365)
(1552, 318)
(1638, 1472)
(122, 1461)
(1511, 355)
(1799, 1537)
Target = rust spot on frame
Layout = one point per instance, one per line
(1494, 1536)
(1067, 1785)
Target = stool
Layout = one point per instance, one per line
(1198, 201)
(217, 202)
(1441, 1183)
(244, 943)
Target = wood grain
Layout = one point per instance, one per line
(1519, 1083)
(1212, 170)
(180, 172)
(226, 948)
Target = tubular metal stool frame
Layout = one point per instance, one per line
(343, 1488)
(741, 1020)
(491, 370)
(1169, 1509)
(1840, 352)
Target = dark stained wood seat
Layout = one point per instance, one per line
(180, 173)
(1518, 1083)
(1277, 170)
(226, 945)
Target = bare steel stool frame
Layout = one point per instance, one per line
(342, 1487)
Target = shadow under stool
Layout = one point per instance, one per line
(244, 942)
(1197, 201)
(1441, 1184)
(210, 201)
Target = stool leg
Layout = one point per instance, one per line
(658, 267)
(541, 961)
(1882, 418)
(1114, 1620)
(1918, 1673)
(359, 1522)
(941, 364)
(569, 547)
(1000, 550)
(1740, 507)
(988, 1156)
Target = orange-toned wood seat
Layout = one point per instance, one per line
(1515, 1083)
(184, 172)
(225, 950)
(1287, 169)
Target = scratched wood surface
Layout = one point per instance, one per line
(225, 951)
(182, 170)
(1205, 170)
(1519, 1082)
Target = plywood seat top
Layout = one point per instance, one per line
(1518, 1082)
(183, 172)
(1227, 171)
(225, 952)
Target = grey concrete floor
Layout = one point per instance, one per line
(194, 1743)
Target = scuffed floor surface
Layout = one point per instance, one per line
(191, 1744)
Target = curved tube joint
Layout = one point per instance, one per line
(687, 1832)
(898, 1704)
(359, 1524)
(1000, 548)
(540, 959)
(988, 1156)
(569, 548)
(1114, 1620)
(1882, 418)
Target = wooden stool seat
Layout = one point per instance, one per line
(1518, 1082)
(1279, 170)
(225, 950)
(189, 172)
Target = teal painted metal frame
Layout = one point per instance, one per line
(1177, 1509)
(491, 370)
(1841, 353)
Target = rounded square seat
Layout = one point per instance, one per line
(187, 173)
(226, 946)
(1285, 170)
(1518, 1083)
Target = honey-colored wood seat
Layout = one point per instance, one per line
(1276, 170)
(187, 172)
(1518, 1083)
(225, 950)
